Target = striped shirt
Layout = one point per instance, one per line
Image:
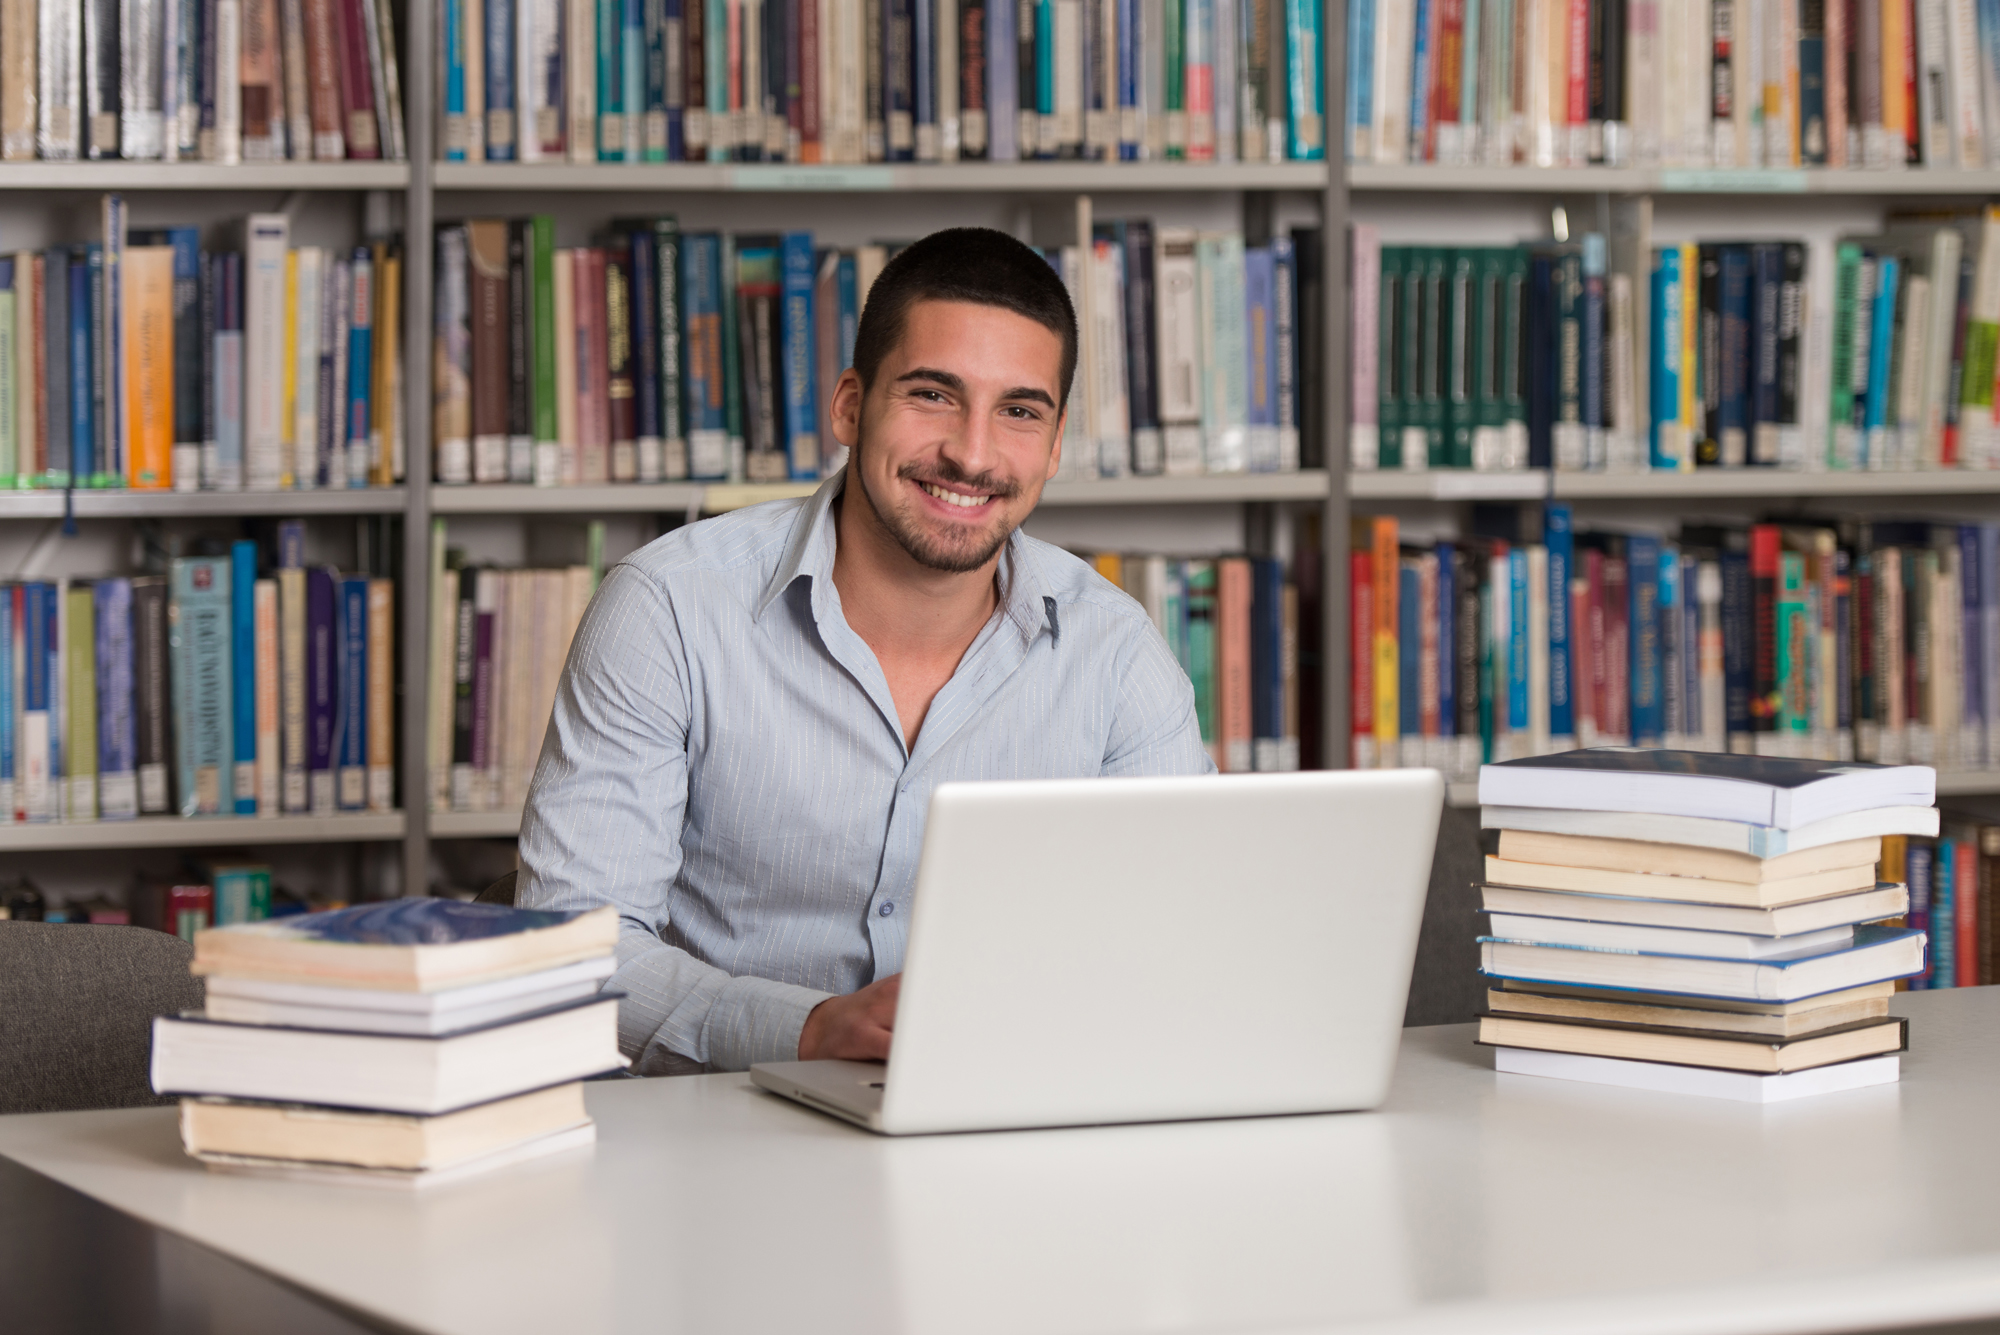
(725, 766)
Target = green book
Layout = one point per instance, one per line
(1389, 362)
(667, 268)
(1843, 437)
(732, 362)
(1793, 645)
(1433, 352)
(80, 701)
(242, 891)
(1461, 312)
(1485, 335)
(1175, 95)
(541, 267)
(1410, 357)
(1513, 357)
(1201, 645)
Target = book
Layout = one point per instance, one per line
(199, 651)
(1883, 901)
(1738, 1086)
(559, 1142)
(382, 1072)
(1725, 835)
(1698, 889)
(1761, 790)
(407, 945)
(1758, 1054)
(1673, 860)
(1563, 931)
(1877, 953)
(264, 1001)
(1790, 1021)
(243, 676)
(301, 1132)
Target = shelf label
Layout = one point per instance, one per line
(813, 178)
(1728, 181)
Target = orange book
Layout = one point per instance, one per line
(1111, 565)
(1232, 663)
(1377, 534)
(148, 277)
(1899, 128)
(1361, 658)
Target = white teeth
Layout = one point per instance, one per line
(953, 498)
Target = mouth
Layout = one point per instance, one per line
(968, 501)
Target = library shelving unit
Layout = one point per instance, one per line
(1437, 202)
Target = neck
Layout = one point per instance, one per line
(894, 602)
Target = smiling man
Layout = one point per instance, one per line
(756, 708)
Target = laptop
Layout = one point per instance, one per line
(1090, 951)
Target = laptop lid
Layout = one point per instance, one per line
(1114, 950)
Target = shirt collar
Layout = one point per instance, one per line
(1025, 595)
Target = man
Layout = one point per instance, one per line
(756, 708)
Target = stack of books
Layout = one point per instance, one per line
(401, 1043)
(1697, 923)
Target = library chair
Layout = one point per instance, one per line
(501, 891)
(76, 1012)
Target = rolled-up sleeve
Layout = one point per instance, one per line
(603, 826)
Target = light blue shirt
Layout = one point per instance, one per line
(725, 766)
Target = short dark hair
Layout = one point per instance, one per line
(974, 264)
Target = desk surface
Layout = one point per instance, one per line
(1471, 1202)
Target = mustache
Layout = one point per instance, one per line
(945, 472)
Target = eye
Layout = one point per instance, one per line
(928, 395)
(1021, 412)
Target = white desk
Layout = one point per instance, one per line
(1471, 1203)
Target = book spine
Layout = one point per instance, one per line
(567, 406)
(350, 724)
(243, 677)
(484, 684)
(608, 70)
(106, 636)
(621, 417)
(498, 67)
(464, 635)
(261, 116)
(593, 379)
(379, 698)
(358, 444)
(387, 467)
(486, 293)
(84, 279)
(266, 711)
(199, 644)
(543, 307)
(322, 681)
(306, 321)
(323, 59)
(293, 686)
(357, 84)
(451, 53)
(797, 371)
(222, 468)
(297, 109)
(452, 410)
(222, 127)
(520, 353)
(336, 325)
(649, 439)
(262, 347)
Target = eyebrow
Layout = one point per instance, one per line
(956, 383)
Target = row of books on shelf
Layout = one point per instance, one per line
(1233, 625)
(221, 81)
(205, 892)
(144, 360)
(242, 684)
(1553, 355)
(656, 355)
(1677, 83)
(842, 81)
(1872, 640)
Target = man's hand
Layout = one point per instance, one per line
(856, 1027)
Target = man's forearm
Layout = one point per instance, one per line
(676, 1002)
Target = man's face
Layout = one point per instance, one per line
(962, 427)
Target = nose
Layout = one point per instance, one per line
(972, 442)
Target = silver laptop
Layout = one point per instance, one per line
(1088, 951)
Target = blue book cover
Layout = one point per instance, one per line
(1664, 440)
(1737, 669)
(1360, 78)
(923, 75)
(1559, 535)
(801, 386)
(499, 76)
(1305, 94)
(55, 367)
(1767, 280)
(1130, 57)
(663, 94)
(82, 370)
(1259, 303)
(36, 749)
(850, 303)
(358, 438)
(1732, 413)
(351, 710)
(1447, 640)
(401, 923)
(701, 291)
(198, 648)
(117, 730)
(1003, 87)
(1879, 955)
(322, 687)
(1881, 353)
(243, 674)
(1420, 82)
(646, 353)
(225, 468)
(453, 58)
(1517, 640)
(106, 413)
(610, 97)
(1919, 864)
(632, 74)
(1673, 649)
(1409, 663)
(1642, 561)
(1988, 633)
(1941, 969)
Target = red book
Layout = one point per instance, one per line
(804, 109)
(181, 910)
(323, 61)
(1764, 685)
(357, 84)
(1232, 662)
(1594, 637)
(1576, 103)
(1448, 62)
(1617, 715)
(593, 380)
(1583, 689)
(1361, 659)
(1965, 911)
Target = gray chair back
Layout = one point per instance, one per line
(76, 1012)
(501, 892)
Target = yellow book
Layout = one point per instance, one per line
(147, 273)
(288, 384)
(387, 439)
(1896, 37)
(1110, 565)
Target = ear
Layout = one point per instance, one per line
(1055, 452)
(844, 412)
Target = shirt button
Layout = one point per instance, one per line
(886, 909)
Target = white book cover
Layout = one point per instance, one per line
(60, 30)
(266, 238)
(1395, 33)
(1364, 342)
(1113, 433)
(1661, 1077)
(580, 53)
(1178, 373)
(1226, 389)
(305, 399)
(1079, 456)
(142, 126)
(1644, 53)
(1933, 84)
(226, 145)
